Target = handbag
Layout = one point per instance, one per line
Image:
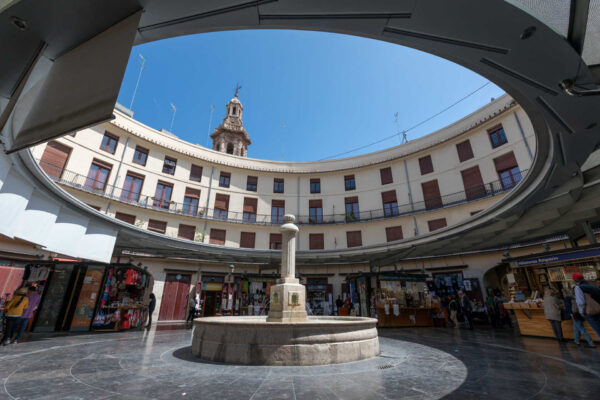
(591, 306)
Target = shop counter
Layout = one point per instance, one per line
(422, 317)
(532, 321)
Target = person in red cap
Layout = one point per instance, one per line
(587, 298)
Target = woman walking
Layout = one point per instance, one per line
(14, 311)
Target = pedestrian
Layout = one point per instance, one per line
(467, 308)
(34, 300)
(587, 298)
(14, 312)
(339, 304)
(325, 306)
(191, 309)
(151, 307)
(453, 306)
(578, 328)
(552, 312)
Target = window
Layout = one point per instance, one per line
(247, 240)
(352, 213)
(169, 165)
(98, 175)
(186, 232)
(278, 185)
(130, 219)
(196, 173)
(221, 206)
(393, 233)
(162, 195)
(109, 143)
(473, 183)
(386, 175)
(315, 185)
(390, 203)
(349, 182)
(132, 187)
(465, 152)
(275, 241)
(250, 204)
(315, 211)
(497, 136)
(229, 148)
(426, 165)
(55, 158)
(316, 241)
(431, 194)
(436, 224)
(508, 170)
(140, 156)
(252, 183)
(217, 236)
(157, 226)
(191, 201)
(224, 179)
(277, 211)
(354, 239)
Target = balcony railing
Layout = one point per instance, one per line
(81, 182)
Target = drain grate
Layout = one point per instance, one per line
(385, 366)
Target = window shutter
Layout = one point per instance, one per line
(473, 182)
(465, 152)
(222, 201)
(353, 199)
(55, 158)
(393, 233)
(102, 164)
(316, 241)
(217, 236)
(189, 192)
(250, 204)
(275, 241)
(278, 203)
(431, 194)
(426, 165)
(389, 196)
(186, 232)
(252, 180)
(157, 226)
(315, 180)
(130, 219)
(386, 175)
(196, 173)
(346, 177)
(435, 224)
(247, 240)
(354, 239)
(506, 161)
(315, 203)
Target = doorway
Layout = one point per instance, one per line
(173, 305)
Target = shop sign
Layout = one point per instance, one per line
(559, 257)
(402, 278)
(213, 286)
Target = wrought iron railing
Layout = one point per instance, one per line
(81, 182)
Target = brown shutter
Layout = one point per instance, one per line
(435, 224)
(386, 175)
(389, 196)
(346, 177)
(354, 239)
(226, 174)
(217, 236)
(473, 182)
(252, 180)
(157, 226)
(278, 203)
(315, 203)
(426, 165)
(465, 152)
(130, 219)
(393, 233)
(250, 204)
(247, 240)
(353, 199)
(222, 201)
(103, 164)
(189, 192)
(506, 161)
(316, 241)
(55, 158)
(315, 180)
(275, 241)
(431, 194)
(186, 232)
(196, 173)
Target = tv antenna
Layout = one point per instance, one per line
(403, 139)
(142, 67)
(212, 108)
(173, 117)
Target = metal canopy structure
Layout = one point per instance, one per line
(63, 63)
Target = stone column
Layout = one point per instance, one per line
(288, 249)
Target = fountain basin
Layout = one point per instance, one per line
(254, 341)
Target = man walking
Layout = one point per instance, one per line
(587, 298)
(467, 308)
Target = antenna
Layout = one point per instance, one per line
(173, 117)
(282, 137)
(142, 66)
(209, 123)
(403, 139)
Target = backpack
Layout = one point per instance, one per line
(591, 306)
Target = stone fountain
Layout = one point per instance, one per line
(287, 336)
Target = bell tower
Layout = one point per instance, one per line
(230, 137)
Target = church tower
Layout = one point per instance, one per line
(230, 137)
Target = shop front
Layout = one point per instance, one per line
(403, 300)
(319, 294)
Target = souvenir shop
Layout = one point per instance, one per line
(319, 294)
(449, 283)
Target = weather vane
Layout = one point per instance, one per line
(237, 89)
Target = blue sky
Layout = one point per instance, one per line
(333, 92)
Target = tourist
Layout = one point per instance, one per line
(493, 311)
(453, 306)
(34, 300)
(256, 307)
(151, 307)
(467, 308)
(325, 306)
(339, 304)
(578, 327)
(587, 298)
(191, 309)
(552, 312)
(14, 311)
